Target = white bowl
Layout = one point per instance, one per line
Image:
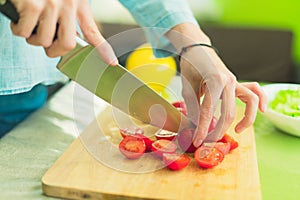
(288, 124)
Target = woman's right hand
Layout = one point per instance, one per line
(47, 14)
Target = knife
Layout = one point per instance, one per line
(114, 84)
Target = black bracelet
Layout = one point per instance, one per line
(184, 49)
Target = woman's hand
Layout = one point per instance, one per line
(204, 76)
(47, 14)
(215, 86)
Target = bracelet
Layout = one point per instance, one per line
(184, 49)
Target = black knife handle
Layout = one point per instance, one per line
(9, 10)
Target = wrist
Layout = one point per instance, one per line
(186, 48)
(186, 34)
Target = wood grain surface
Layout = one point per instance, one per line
(93, 168)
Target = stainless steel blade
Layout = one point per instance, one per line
(121, 89)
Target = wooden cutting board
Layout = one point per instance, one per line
(87, 170)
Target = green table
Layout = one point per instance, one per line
(278, 161)
(30, 149)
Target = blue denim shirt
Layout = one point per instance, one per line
(22, 66)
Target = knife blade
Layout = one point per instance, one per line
(114, 84)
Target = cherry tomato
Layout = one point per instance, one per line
(228, 139)
(163, 146)
(180, 105)
(163, 134)
(223, 147)
(208, 157)
(148, 141)
(132, 147)
(131, 131)
(176, 161)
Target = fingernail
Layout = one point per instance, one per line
(265, 107)
(197, 142)
(114, 62)
(238, 129)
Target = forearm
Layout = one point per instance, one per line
(185, 34)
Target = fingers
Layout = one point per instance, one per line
(212, 94)
(28, 18)
(58, 18)
(263, 99)
(190, 90)
(251, 100)
(65, 34)
(206, 111)
(227, 111)
(46, 28)
(93, 36)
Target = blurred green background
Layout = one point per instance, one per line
(261, 13)
(268, 14)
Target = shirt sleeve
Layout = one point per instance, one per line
(157, 17)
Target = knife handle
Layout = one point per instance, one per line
(8, 9)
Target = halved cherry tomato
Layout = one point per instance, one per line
(163, 134)
(229, 139)
(132, 147)
(148, 141)
(131, 131)
(180, 105)
(223, 147)
(208, 157)
(176, 161)
(163, 146)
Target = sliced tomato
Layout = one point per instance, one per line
(208, 157)
(229, 139)
(223, 147)
(131, 131)
(176, 161)
(164, 134)
(132, 147)
(148, 141)
(181, 106)
(163, 146)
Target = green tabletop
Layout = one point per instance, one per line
(30, 149)
(278, 161)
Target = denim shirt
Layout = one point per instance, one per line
(22, 66)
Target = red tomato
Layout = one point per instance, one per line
(223, 147)
(185, 140)
(208, 157)
(148, 141)
(228, 139)
(163, 134)
(132, 147)
(131, 131)
(176, 161)
(163, 146)
(180, 105)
